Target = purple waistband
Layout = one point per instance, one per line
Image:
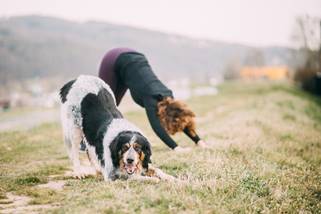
(112, 55)
(108, 62)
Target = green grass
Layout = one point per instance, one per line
(14, 112)
(265, 157)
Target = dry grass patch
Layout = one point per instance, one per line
(264, 157)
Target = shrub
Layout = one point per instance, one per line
(309, 76)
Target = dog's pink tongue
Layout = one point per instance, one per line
(130, 168)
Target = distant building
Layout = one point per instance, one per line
(268, 72)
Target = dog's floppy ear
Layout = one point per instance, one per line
(115, 147)
(146, 148)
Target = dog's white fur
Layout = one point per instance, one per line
(72, 125)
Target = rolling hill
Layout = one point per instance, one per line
(36, 46)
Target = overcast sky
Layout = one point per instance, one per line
(254, 22)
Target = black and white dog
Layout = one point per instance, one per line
(89, 113)
(115, 147)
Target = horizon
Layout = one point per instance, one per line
(247, 23)
(147, 29)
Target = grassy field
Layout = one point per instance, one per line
(265, 157)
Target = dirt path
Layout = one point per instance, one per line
(20, 204)
(29, 119)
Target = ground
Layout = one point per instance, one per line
(264, 157)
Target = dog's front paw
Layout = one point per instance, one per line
(163, 176)
(83, 172)
(78, 175)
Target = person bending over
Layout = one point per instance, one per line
(125, 68)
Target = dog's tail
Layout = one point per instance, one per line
(65, 90)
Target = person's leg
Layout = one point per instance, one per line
(107, 74)
(121, 91)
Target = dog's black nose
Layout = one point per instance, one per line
(129, 160)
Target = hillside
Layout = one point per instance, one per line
(264, 157)
(35, 46)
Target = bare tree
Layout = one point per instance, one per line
(307, 36)
(306, 32)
